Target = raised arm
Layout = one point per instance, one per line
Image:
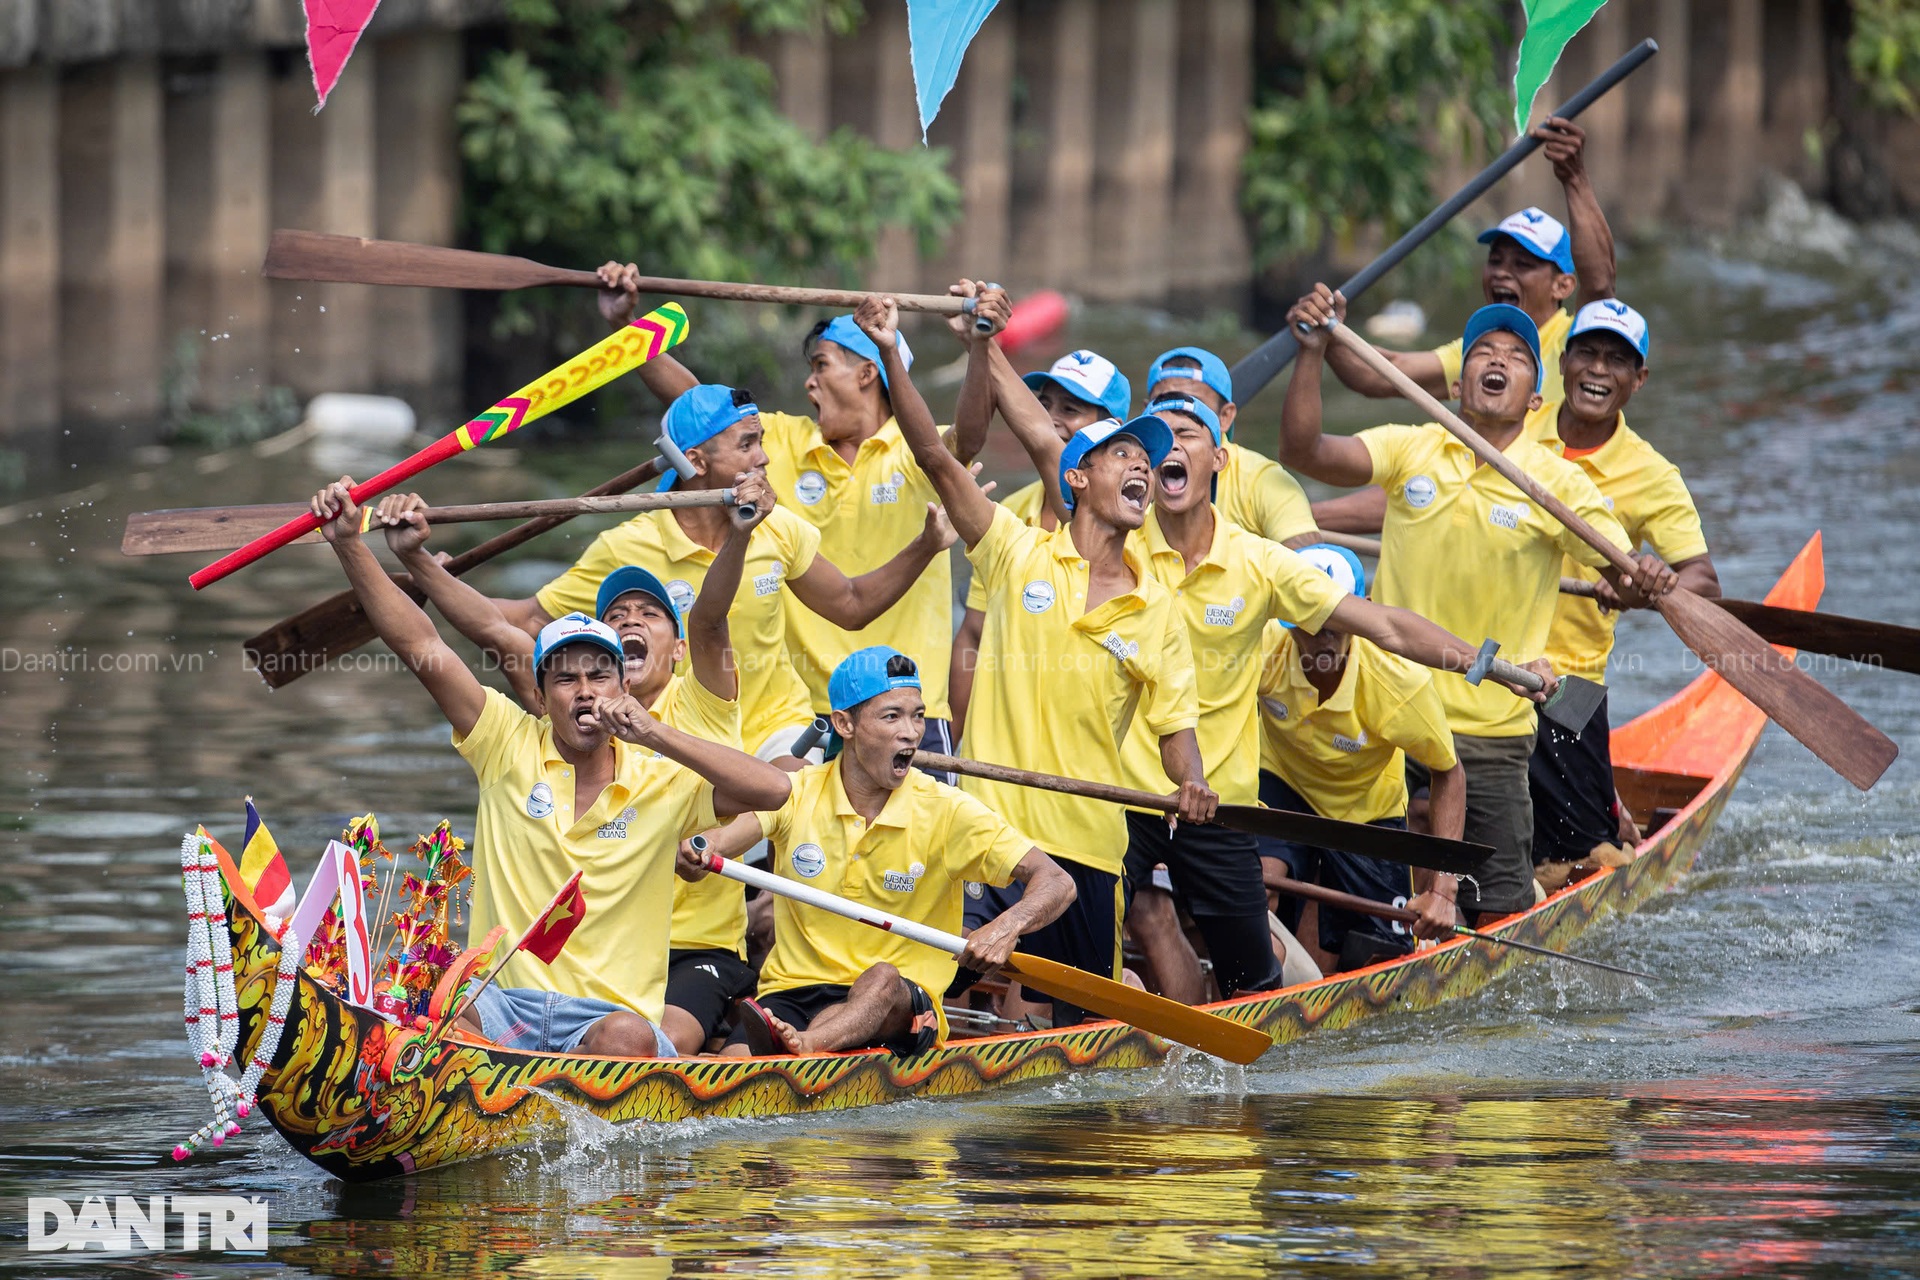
(853, 603)
(1423, 367)
(663, 375)
(1028, 420)
(709, 640)
(1340, 460)
(741, 783)
(1413, 637)
(1564, 143)
(478, 618)
(395, 617)
(973, 413)
(970, 510)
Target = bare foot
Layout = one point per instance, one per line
(794, 1039)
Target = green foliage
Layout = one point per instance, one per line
(1884, 52)
(1343, 128)
(630, 129)
(275, 411)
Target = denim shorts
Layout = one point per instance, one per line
(548, 1022)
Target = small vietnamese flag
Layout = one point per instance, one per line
(557, 923)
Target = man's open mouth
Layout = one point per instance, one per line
(581, 714)
(902, 761)
(1594, 390)
(1500, 293)
(1133, 492)
(1173, 477)
(1494, 382)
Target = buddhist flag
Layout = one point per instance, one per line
(1550, 25)
(263, 869)
(557, 923)
(333, 29)
(938, 33)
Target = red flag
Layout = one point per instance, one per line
(557, 923)
(333, 29)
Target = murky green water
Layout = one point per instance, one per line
(1753, 1112)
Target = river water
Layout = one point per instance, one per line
(1755, 1110)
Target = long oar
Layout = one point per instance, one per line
(315, 636)
(1259, 366)
(625, 349)
(1793, 699)
(1210, 1033)
(1877, 644)
(1380, 910)
(1456, 857)
(157, 533)
(315, 255)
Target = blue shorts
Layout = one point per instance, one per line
(547, 1022)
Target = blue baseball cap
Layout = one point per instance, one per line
(575, 628)
(696, 416)
(1503, 317)
(1212, 371)
(1088, 376)
(1610, 315)
(1193, 409)
(862, 674)
(842, 331)
(1539, 233)
(629, 578)
(1153, 434)
(1337, 563)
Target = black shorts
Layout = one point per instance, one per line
(799, 1006)
(1373, 878)
(1086, 935)
(705, 983)
(1215, 870)
(1571, 778)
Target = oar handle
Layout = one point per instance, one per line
(683, 465)
(810, 737)
(1579, 587)
(1345, 901)
(790, 295)
(1046, 782)
(938, 939)
(623, 504)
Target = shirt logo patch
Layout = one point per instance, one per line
(768, 583)
(1508, 517)
(617, 828)
(809, 860)
(1419, 491)
(1341, 742)
(810, 487)
(1223, 615)
(889, 491)
(903, 882)
(681, 592)
(1121, 649)
(540, 801)
(1275, 708)
(1037, 596)
(975, 889)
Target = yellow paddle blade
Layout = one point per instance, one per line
(1169, 1019)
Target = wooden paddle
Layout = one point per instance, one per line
(1210, 1033)
(156, 533)
(1793, 699)
(1456, 857)
(338, 625)
(1382, 911)
(316, 255)
(1877, 644)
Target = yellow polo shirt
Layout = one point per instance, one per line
(1243, 581)
(913, 860)
(527, 842)
(1027, 505)
(1649, 499)
(772, 695)
(1058, 688)
(1553, 344)
(1464, 548)
(709, 913)
(1345, 755)
(1261, 496)
(866, 514)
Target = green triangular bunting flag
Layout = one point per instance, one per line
(1550, 24)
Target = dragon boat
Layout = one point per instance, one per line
(333, 1089)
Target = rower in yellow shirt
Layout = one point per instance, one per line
(1254, 492)
(596, 784)
(1464, 547)
(1082, 646)
(1576, 811)
(707, 968)
(870, 827)
(1338, 717)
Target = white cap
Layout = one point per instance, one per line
(1091, 377)
(1612, 316)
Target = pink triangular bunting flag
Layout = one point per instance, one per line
(333, 29)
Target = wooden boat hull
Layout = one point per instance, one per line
(472, 1099)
